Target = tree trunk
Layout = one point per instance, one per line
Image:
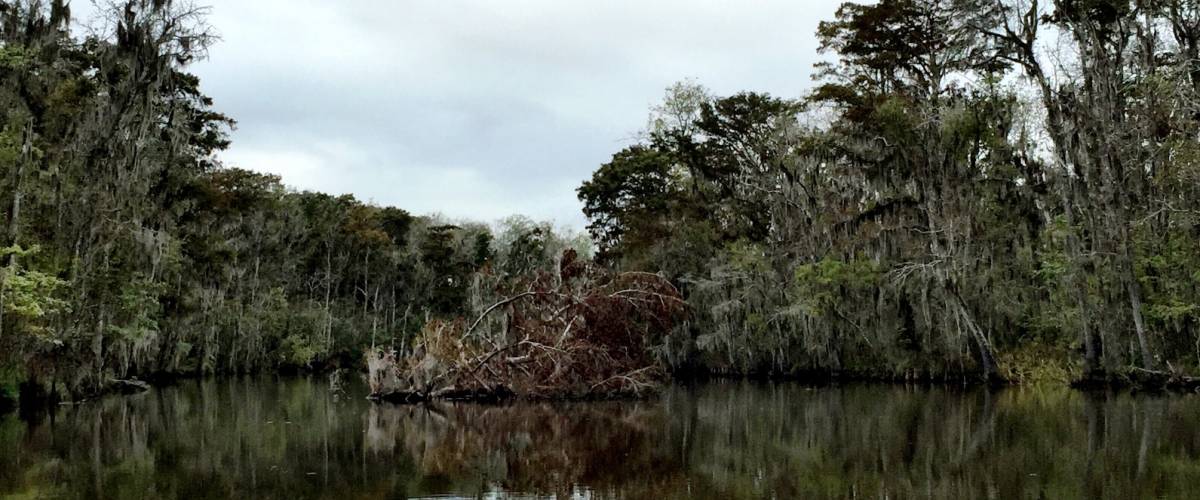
(1135, 302)
(1092, 344)
(987, 357)
(328, 290)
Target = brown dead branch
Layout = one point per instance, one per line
(583, 336)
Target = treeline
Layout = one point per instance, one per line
(992, 187)
(995, 187)
(129, 251)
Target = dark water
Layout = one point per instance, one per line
(295, 438)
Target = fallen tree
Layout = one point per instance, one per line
(1140, 379)
(578, 333)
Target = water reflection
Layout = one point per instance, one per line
(551, 449)
(293, 438)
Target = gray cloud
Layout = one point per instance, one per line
(479, 108)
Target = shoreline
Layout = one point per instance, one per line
(1138, 381)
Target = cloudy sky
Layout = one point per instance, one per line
(480, 108)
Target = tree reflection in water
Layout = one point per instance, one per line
(534, 447)
(292, 438)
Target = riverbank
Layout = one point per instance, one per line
(33, 396)
(1132, 381)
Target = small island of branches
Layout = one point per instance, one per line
(579, 333)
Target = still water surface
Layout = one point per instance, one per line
(295, 438)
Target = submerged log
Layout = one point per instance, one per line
(127, 386)
(1140, 379)
(1153, 379)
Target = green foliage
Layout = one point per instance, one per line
(10, 145)
(449, 282)
(13, 57)
(624, 198)
(298, 350)
(986, 234)
(139, 309)
(822, 286)
(29, 295)
(483, 253)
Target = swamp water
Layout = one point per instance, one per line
(292, 438)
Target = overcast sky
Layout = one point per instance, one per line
(480, 108)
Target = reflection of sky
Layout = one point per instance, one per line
(477, 108)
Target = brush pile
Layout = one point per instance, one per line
(578, 333)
